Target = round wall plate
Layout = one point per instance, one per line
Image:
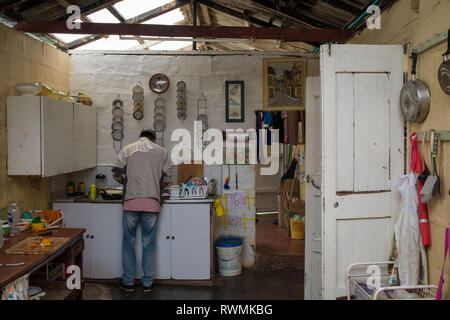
(138, 115)
(138, 96)
(117, 126)
(181, 84)
(181, 91)
(181, 115)
(117, 135)
(160, 110)
(138, 104)
(181, 102)
(181, 96)
(160, 102)
(117, 103)
(158, 116)
(159, 83)
(138, 88)
(158, 125)
(181, 108)
(117, 112)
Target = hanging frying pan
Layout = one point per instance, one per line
(415, 97)
(444, 69)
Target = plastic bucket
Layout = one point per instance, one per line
(229, 256)
(297, 229)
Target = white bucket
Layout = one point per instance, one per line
(229, 260)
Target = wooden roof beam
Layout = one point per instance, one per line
(286, 34)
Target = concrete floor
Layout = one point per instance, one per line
(252, 284)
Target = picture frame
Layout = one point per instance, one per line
(234, 101)
(284, 84)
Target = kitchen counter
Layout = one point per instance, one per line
(100, 200)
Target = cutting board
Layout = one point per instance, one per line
(189, 170)
(22, 246)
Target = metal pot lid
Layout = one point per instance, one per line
(181, 84)
(117, 111)
(158, 116)
(182, 115)
(160, 110)
(138, 96)
(415, 101)
(117, 103)
(158, 125)
(117, 126)
(138, 115)
(181, 108)
(181, 102)
(138, 88)
(160, 102)
(117, 135)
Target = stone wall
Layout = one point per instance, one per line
(24, 59)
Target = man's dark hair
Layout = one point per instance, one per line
(148, 133)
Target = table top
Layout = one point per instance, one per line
(32, 261)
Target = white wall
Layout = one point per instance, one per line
(103, 76)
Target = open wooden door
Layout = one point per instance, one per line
(362, 157)
(313, 211)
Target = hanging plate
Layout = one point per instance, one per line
(181, 109)
(181, 96)
(159, 83)
(138, 105)
(138, 88)
(182, 115)
(117, 126)
(181, 102)
(117, 135)
(158, 125)
(160, 102)
(117, 119)
(181, 91)
(158, 116)
(117, 111)
(181, 85)
(159, 110)
(117, 103)
(138, 115)
(138, 96)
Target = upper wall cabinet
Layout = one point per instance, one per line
(48, 137)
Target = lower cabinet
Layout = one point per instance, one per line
(183, 241)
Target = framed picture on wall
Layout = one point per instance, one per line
(234, 101)
(284, 82)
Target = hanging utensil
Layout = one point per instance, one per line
(227, 180)
(444, 69)
(432, 184)
(415, 97)
(425, 173)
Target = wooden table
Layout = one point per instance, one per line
(71, 251)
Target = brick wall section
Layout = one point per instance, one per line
(24, 59)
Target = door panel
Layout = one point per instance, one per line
(163, 245)
(78, 215)
(362, 156)
(191, 243)
(313, 218)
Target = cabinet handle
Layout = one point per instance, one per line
(87, 236)
(92, 237)
(173, 237)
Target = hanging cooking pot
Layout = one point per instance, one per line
(444, 69)
(415, 97)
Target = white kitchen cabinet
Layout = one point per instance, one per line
(48, 137)
(183, 240)
(79, 216)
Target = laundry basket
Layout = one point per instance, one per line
(358, 288)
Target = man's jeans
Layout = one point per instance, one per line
(149, 226)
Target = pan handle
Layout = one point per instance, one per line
(414, 63)
(448, 46)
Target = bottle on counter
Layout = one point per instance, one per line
(14, 219)
(70, 188)
(81, 187)
(93, 192)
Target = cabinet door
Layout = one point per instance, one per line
(85, 137)
(24, 135)
(56, 137)
(191, 242)
(106, 244)
(77, 215)
(163, 244)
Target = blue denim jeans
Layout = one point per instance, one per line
(149, 226)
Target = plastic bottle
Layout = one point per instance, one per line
(70, 187)
(14, 219)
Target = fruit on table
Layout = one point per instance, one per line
(40, 243)
(45, 242)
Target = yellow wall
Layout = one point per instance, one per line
(400, 25)
(24, 59)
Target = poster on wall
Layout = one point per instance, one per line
(234, 101)
(284, 81)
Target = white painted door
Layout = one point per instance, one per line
(106, 241)
(78, 215)
(362, 156)
(56, 137)
(191, 241)
(163, 244)
(313, 217)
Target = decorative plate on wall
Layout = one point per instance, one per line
(159, 83)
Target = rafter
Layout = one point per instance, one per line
(286, 34)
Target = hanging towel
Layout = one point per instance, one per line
(141, 145)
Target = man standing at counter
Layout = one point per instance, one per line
(144, 163)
